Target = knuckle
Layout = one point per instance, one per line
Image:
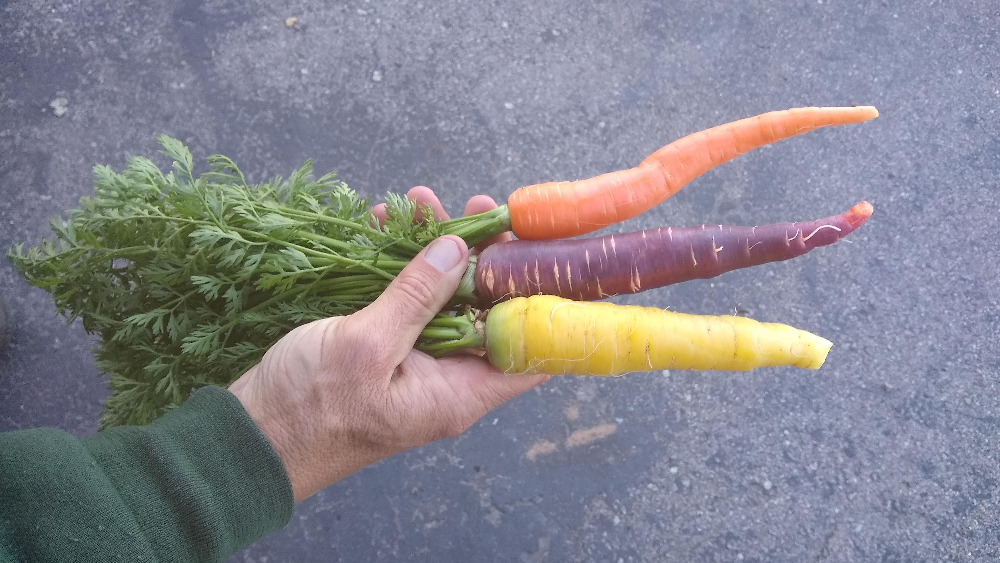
(418, 289)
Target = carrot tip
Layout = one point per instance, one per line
(823, 347)
(869, 112)
(858, 214)
(851, 114)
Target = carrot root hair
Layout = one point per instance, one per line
(598, 267)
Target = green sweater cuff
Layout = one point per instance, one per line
(202, 481)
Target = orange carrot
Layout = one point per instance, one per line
(565, 209)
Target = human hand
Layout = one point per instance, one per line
(339, 394)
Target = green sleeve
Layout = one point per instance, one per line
(198, 484)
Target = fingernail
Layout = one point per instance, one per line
(444, 254)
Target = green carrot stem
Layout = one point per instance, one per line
(460, 322)
(443, 348)
(441, 334)
(446, 334)
(387, 266)
(477, 228)
(466, 292)
(308, 215)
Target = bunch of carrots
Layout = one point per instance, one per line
(188, 280)
(539, 321)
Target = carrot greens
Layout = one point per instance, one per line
(187, 279)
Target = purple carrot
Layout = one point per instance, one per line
(594, 268)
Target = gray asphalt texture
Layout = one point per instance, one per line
(888, 453)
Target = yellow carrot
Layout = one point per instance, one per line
(547, 334)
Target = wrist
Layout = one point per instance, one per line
(297, 444)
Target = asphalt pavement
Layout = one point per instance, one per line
(888, 453)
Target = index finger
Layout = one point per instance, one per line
(422, 196)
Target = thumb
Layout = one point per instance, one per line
(418, 293)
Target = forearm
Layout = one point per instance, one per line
(197, 485)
